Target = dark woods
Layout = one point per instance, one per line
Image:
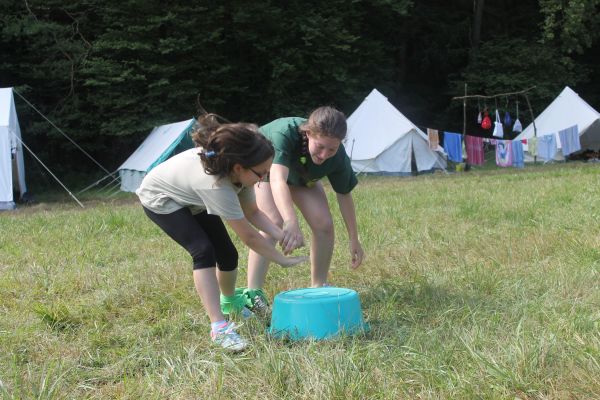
(106, 72)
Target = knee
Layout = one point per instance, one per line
(203, 256)
(323, 227)
(229, 262)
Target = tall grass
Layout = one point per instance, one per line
(476, 285)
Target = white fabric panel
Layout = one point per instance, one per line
(396, 158)
(10, 138)
(130, 179)
(6, 187)
(566, 110)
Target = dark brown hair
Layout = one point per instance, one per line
(326, 121)
(224, 145)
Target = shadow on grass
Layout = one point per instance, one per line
(397, 310)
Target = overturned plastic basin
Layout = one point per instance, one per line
(317, 313)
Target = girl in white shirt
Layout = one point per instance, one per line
(188, 197)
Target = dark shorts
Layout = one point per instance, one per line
(203, 235)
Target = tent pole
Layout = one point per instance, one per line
(50, 172)
(95, 183)
(62, 133)
(533, 121)
(465, 121)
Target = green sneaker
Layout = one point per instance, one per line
(236, 304)
(259, 303)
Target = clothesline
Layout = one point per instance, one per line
(494, 95)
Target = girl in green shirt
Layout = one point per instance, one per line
(305, 152)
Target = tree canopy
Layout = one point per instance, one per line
(108, 71)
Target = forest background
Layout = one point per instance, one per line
(106, 72)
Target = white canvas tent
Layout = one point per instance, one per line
(565, 111)
(382, 140)
(12, 166)
(163, 142)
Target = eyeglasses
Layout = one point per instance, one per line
(259, 176)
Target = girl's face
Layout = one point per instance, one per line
(247, 177)
(322, 147)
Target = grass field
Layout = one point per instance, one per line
(483, 284)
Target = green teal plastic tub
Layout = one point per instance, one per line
(316, 313)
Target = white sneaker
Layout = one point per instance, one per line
(228, 338)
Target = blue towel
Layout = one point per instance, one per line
(453, 146)
(547, 147)
(569, 140)
(517, 154)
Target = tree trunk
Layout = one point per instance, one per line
(476, 34)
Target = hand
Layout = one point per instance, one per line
(291, 261)
(292, 237)
(357, 254)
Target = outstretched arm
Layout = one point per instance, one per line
(292, 235)
(348, 212)
(260, 220)
(253, 239)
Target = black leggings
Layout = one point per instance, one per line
(203, 235)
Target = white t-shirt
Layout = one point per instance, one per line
(181, 182)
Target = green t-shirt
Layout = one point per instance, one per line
(285, 136)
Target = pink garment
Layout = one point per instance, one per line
(474, 150)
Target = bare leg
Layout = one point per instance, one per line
(312, 202)
(207, 286)
(258, 266)
(227, 281)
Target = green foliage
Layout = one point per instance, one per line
(106, 72)
(572, 26)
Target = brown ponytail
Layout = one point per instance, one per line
(224, 145)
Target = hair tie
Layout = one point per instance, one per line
(209, 154)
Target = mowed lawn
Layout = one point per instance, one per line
(476, 285)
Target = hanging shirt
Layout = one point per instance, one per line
(569, 140)
(474, 150)
(547, 147)
(517, 154)
(504, 153)
(532, 145)
(453, 146)
(434, 138)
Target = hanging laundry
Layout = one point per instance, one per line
(517, 154)
(517, 127)
(569, 140)
(546, 148)
(498, 131)
(434, 138)
(479, 118)
(532, 145)
(474, 146)
(486, 122)
(507, 119)
(504, 153)
(453, 146)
